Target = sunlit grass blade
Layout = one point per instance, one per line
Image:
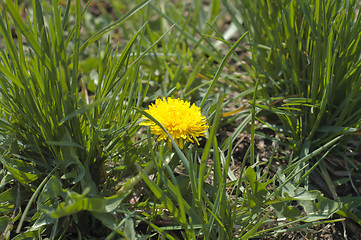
(114, 25)
(220, 69)
(26, 31)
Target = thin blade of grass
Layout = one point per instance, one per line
(220, 69)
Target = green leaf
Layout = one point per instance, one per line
(288, 190)
(20, 165)
(303, 194)
(259, 191)
(114, 201)
(42, 221)
(73, 202)
(256, 185)
(319, 211)
(36, 192)
(28, 235)
(283, 210)
(74, 205)
(323, 209)
(69, 157)
(6, 208)
(26, 175)
(129, 231)
(52, 190)
(314, 204)
(108, 220)
(9, 195)
(5, 221)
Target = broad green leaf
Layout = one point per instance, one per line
(69, 158)
(114, 201)
(323, 209)
(108, 220)
(6, 208)
(129, 231)
(24, 178)
(284, 210)
(327, 206)
(32, 198)
(42, 221)
(5, 221)
(9, 195)
(303, 194)
(26, 235)
(259, 191)
(256, 185)
(72, 206)
(52, 190)
(65, 143)
(288, 190)
(20, 165)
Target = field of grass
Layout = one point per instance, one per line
(218, 119)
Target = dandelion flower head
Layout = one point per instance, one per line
(179, 118)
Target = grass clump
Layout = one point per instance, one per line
(57, 138)
(307, 52)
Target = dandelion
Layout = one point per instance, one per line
(182, 121)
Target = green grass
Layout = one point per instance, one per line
(305, 52)
(75, 163)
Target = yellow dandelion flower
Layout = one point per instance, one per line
(182, 121)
